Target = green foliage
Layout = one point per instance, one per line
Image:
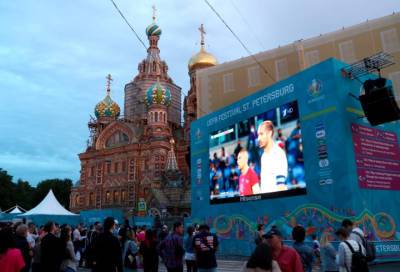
(23, 194)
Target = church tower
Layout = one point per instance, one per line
(151, 70)
(201, 60)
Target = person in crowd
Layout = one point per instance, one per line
(261, 260)
(354, 232)
(190, 256)
(11, 259)
(259, 234)
(32, 235)
(130, 251)
(288, 258)
(37, 251)
(327, 254)
(171, 249)
(70, 261)
(148, 250)
(51, 249)
(163, 233)
(22, 244)
(248, 179)
(316, 245)
(89, 242)
(205, 245)
(344, 258)
(77, 239)
(274, 165)
(306, 252)
(106, 249)
(141, 235)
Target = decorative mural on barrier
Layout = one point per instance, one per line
(315, 218)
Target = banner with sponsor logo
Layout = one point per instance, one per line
(294, 153)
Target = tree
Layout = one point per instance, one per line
(7, 189)
(61, 189)
(24, 193)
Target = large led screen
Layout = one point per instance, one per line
(257, 158)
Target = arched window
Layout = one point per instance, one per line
(123, 195)
(154, 66)
(156, 116)
(77, 200)
(116, 196)
(91, 199)
(117, 139)
(108, 197)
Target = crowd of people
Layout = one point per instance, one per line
(105, 247)
(108, 247)
(268, 162)
(273, 256)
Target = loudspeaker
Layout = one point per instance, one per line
(380, 106)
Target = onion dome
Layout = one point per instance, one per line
(107, 107)
(202, 58)
(157, 94)
(153, 30)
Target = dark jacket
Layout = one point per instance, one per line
(22, 244)
(107, 253)
(52, 250)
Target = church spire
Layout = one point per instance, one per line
(172, 165)
(202, 33)
(108, 84)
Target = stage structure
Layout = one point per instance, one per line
(298, 152)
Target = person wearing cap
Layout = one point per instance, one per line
(288, 259)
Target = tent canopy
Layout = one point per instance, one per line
(15, 210)
(49, 206)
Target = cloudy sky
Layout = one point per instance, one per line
(54, 56)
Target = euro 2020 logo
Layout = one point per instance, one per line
(315, 88)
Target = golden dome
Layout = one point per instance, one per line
(202, 58)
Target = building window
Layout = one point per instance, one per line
(282, 70)
(312, 57)
(123, 194)
(108, 166)
(395, 78)
(92, 171)
(390, 40)
(77, 200)
(253, 75)
(91, 199)
(116, 167)
(117, 139)
(108, 196)
(346, 50)
(123, 166)
(156, 117)
(228, 83)
(116, 196)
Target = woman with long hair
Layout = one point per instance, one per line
(327, 253)
(10, 257)
(261, 260)
(130, 250)
(190, 256)
(70, 261)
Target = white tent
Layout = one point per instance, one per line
(16, 210)
(49, 206)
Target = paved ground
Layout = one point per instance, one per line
(237, 266)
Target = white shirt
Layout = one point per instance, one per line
(355, 236)
(273, 164)
(76, 235)
(344, 254)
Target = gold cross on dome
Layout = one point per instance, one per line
(109, 79)
(202, 33)
(154, 12)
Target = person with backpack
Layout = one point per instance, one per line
(357, 235)
(130, 251)
(351, 254)
(306, 252)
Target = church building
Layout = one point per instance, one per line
(139, 161)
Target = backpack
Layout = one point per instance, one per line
(358, 259)
(130, 259)
(369, 247)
